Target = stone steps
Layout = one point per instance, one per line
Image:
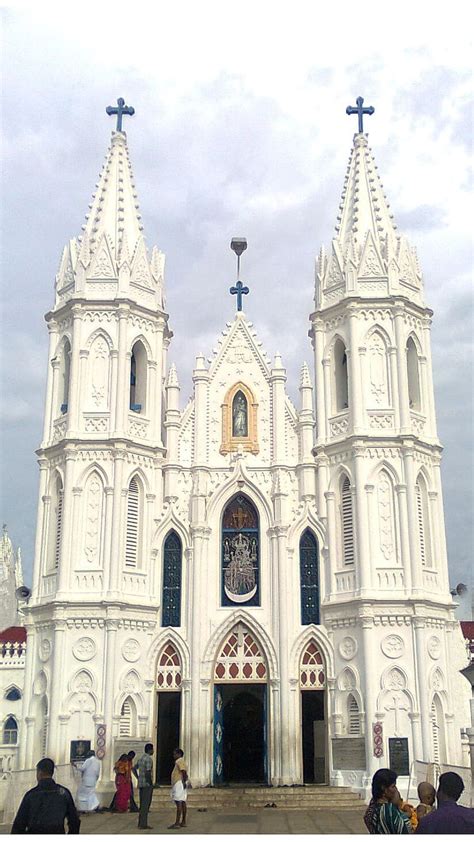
(241, 798)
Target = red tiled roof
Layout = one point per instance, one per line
(467, 627)
(14, 634)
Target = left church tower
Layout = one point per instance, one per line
(100, 472)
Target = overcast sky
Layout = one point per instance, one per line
(240, 130)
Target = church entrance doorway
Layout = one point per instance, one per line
(313, 715)
(243, 738)
(240, 711)
(168, 721)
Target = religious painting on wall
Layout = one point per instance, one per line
(240, 553)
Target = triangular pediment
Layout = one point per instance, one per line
(371, 264)
(335, 274)
(407, 273)
(240, 347)
(141, 274)
(66, 275)
(102, 264)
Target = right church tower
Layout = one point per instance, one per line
(388, 608)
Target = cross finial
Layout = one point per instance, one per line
(120, 111)
(238, 245)
(360, 111)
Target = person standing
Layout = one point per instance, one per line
(144, 767)
(179, 793)
(131, 773)
(46, 807)
(450, 818)
(383, 815)
(87, 800)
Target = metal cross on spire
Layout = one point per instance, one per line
(120, 111)
(360, 110)
(238, 245)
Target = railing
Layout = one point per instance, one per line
(12, 654)
(339, 424)
(345, 580)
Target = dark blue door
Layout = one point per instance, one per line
(218, 730)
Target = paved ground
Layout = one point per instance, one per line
(263, 820)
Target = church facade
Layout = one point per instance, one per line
(264, 584)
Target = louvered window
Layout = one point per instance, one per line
(59, 521)
(347, 523)
(421, 525)
(353, 716)
(172, 564)
(435, 731)
(125, 726)
(133, 525)
(309, 579)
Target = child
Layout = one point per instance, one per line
(427, 795)
(407, 809)
(179, 777)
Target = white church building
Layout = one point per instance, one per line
(264, 584)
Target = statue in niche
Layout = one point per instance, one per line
(239, 415)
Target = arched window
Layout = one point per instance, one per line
(10, 732)
(388, 541)
(134, 525)
(93, 520)
(13, 694)
(64, 377)
(127, 724)
(240, 421)
(378, 372)
(309, 579)
(341, 385)
(169, 669)
(172, 571)
(240, 553)
(312, 672)
(347, 522)
(240, 658)
(414, 393)
(423, 513)
(138, 378)
(353, 716)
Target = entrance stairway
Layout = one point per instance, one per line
(308, 797)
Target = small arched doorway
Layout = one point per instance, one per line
(312, 679)
(168, 730)
(240, 710)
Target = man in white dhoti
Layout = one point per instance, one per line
(87, 800)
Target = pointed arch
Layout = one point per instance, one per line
(413, 374)
(12, 693)
(318, 634)
(239, 419)
(172, 577)
(169, 673)
(388, 538)
(234, 486)
(353, 716)
(309, 578)
(10, 731)
(240, 657)
(138, 377)
(64, 354)
(95, 334)
(340, 375)
(97, 392)
(166, 636)
(438, 734)
(134, 523)
(312, 668)
(261, 636)
(346, 519)
(128, 718)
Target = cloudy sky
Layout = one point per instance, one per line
(240, 130)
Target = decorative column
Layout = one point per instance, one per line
(322, 482)
(363, 559)
(172, 425)
(109, 691)
(440, 555)
(419, 624)
(333, 565)
(394, 387)
(41, 528)
(51, 385)
(401, 492)
(199, 715)
(306, 468)
(113, 390)
(400, 342)
(353, 365)
(74, 396)
(326, 433)
(277, 381)
(201, 410)
(157, 379)
(322, 407)
(413, 534)
(122, 398)
(429, 409)
(67, 536)
(369, 680)
(286, 738)
(56, 690)
(116, 560)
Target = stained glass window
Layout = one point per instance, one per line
(172, 568)
(309, 579)
(240, 553)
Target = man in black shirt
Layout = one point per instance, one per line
(45, 807)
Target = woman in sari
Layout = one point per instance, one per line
(383, 815)
(122, 784)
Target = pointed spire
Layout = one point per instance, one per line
(364, 206)
(305, 379)
(114, 210)
(172, 377)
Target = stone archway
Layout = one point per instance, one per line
(168, 700)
